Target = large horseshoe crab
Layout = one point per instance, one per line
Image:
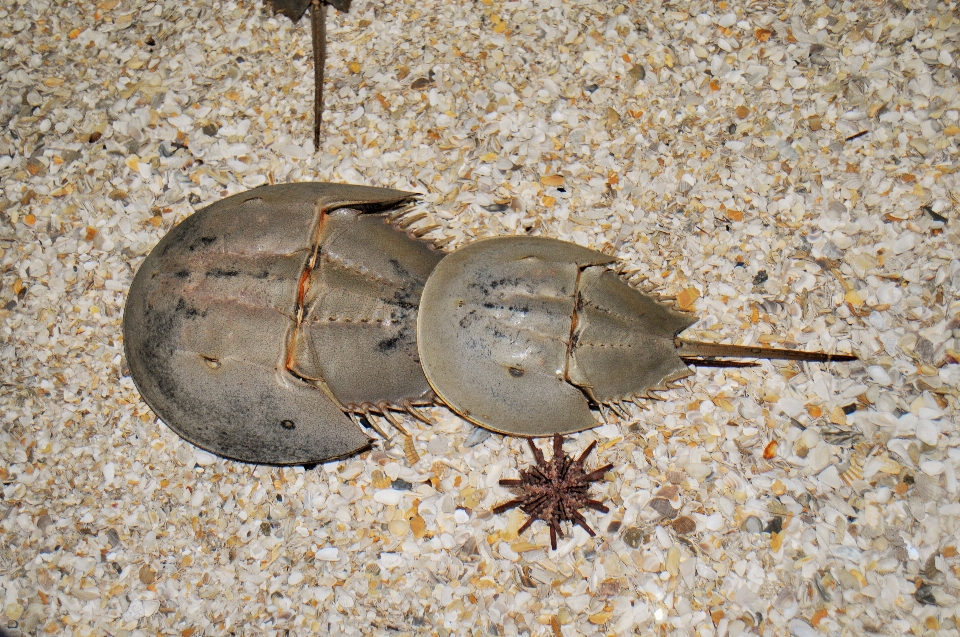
(263, 327)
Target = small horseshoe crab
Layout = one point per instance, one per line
(269, 325)
(509, 318)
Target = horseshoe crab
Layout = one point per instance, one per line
(259, 322)
(505, 319)
(269, 325)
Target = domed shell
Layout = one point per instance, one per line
(256, 322)
(522, 335)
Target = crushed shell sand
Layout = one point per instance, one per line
(787, 171)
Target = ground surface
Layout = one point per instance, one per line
(787, 170)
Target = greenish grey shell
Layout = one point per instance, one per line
(523, 335)
(255, 323)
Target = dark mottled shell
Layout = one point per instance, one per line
(255, 323)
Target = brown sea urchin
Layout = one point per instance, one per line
(555, 491)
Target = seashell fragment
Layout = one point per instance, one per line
(879, 375)
(663, 507)
(634, 536)
(932, 467)
(734, 482)
(674, 477)
(928, 432)
(853, 470)
(476, 437)
(752, 524)
(927, 487)
(684, 525)
(887, 565)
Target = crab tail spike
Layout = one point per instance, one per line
(709, 362)
(318, 24)
(692, 349)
